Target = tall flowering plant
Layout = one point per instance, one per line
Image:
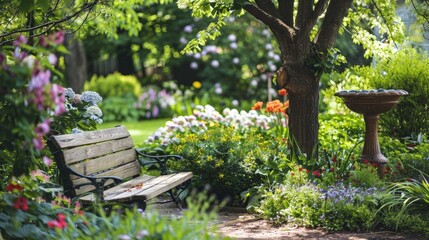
(276, 110)
(29, 101)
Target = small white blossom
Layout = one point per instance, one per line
(215, 63)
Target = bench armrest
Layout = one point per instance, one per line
(161, 160)
(97, 181)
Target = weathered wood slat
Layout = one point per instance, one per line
(105, 162)
(119, 188)
(79, 139)
(152, 188)
(77, 154)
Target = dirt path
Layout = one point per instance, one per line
(241, 225)
(245, 226)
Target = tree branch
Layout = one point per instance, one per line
(305, 7)
(286, 11)
(320, 8)
(268, 7)
(331, 24)
(272, 22)
(86, 7)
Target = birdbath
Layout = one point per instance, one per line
(371, 103)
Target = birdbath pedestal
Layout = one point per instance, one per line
(371, 103)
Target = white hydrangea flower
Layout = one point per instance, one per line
(93, 111)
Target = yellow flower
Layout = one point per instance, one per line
(196, 84)
(221, 175)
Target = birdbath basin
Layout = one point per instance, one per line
(371, 103)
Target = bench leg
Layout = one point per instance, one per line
(140, 204)
(175, 199)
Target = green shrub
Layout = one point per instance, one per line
(407, 70)
(25, 215)
(338, 207)
(114, 85)
(120, 109)
(222, 158)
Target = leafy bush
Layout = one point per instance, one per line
(407, 70)
(339, 207)
(224, 159)
(25, 215)
(120, 109)
(114, 85)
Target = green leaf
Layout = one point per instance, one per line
(44, 5)
(26, 5)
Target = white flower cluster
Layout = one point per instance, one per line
(203, 116)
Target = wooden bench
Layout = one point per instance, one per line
(103, 165)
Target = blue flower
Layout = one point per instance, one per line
(91, 97)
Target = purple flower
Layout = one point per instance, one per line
(20, 40)
(155, 111)
(38, 143)
(43, 128)
(39, 78)
(47, 161)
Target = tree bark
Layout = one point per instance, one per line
(303, 88)
(76, 71)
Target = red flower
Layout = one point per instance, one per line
(300, 169)
(332, 169)
(21, 203)
(334, 159)
(58, 223)
(366, 161)
(374, 164)
(292, 173)
(12, 186)
(316, 173)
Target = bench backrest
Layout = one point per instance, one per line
(107, 152)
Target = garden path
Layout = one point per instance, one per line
(241, 225)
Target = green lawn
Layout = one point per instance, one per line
(139, 131)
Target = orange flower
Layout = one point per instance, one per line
(282, 92)
(274, 106)
(257, 106)
(286, 104)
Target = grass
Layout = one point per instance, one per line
(139, 131)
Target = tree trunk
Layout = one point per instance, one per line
(303, 88)
(76, 71)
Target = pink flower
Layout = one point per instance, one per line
(38, 143)
(53, 59)
(39, 78)
(47, 161)
(20, 40)
(44, 127)
(43, 41)
(58, 223)
(39, 173)
(57, 38)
